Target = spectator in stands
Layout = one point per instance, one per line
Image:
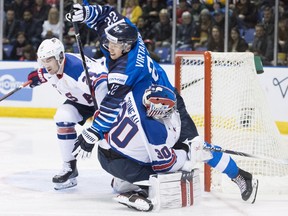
(4, 54)
(203, 30)
(264, 3)
(29, 53)
(182, 7)
(52, 3)
(151, 47)
(112, 3)
(18, 45)
(218, 6)
(219, 19)
(52, 26)
(268, 22)
(186, 31)
(162, 30)
(40, 10)
(144, 29)
(216, 40)
(283, 10)
(236, 42)
(262, 45)
(246, 14)
(285, 52)
(18, 7)
(151, 11)
(10, 27)
(197, 7)
(132, 10)
(282, 33)
(32, 28)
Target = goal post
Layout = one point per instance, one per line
(224, 97)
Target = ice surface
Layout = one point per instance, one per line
(29, 157)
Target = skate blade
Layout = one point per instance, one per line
(138, 204)
(65, 185)
(253, 196)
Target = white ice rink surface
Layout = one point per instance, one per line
(29, 157)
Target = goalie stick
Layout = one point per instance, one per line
(16, 89)
(80, 48)
(219, 149)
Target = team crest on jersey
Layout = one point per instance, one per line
(117, 78)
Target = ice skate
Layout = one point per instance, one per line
(247, 185)
(67, 176)
(136, 200)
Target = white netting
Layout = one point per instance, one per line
(240, 118)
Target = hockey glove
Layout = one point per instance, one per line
(85, 143)
(196, 153)
(36, 77)
(78, 13)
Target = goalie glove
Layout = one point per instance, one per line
(36, 77)
(85, 143)
(78, 13)
(197, 153)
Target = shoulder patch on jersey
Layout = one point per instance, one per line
(117, 78)
(73, 66)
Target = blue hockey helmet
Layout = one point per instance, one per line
(121, 33)
(159, 101)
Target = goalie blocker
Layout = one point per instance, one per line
(172, 190)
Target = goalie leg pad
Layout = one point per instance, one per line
(175, 190)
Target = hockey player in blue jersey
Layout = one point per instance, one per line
(132, 71)
(64, 71)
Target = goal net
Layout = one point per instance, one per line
(227, 103)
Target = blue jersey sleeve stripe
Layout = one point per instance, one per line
(109, 109)
(107, 120)
(101, 125)
(67, 136)
(110, 106)
(108, 116)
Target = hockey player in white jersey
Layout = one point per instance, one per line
(64, 71)
(142, 141)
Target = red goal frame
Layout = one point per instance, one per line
(207, 101)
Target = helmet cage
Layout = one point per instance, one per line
(159, 101)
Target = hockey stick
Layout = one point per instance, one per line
(219, 149)
(16, 89)
(80, 48)
(186, 85)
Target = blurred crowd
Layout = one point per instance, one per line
(200, 26)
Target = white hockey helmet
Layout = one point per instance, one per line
(159, 101)
(51, 48)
